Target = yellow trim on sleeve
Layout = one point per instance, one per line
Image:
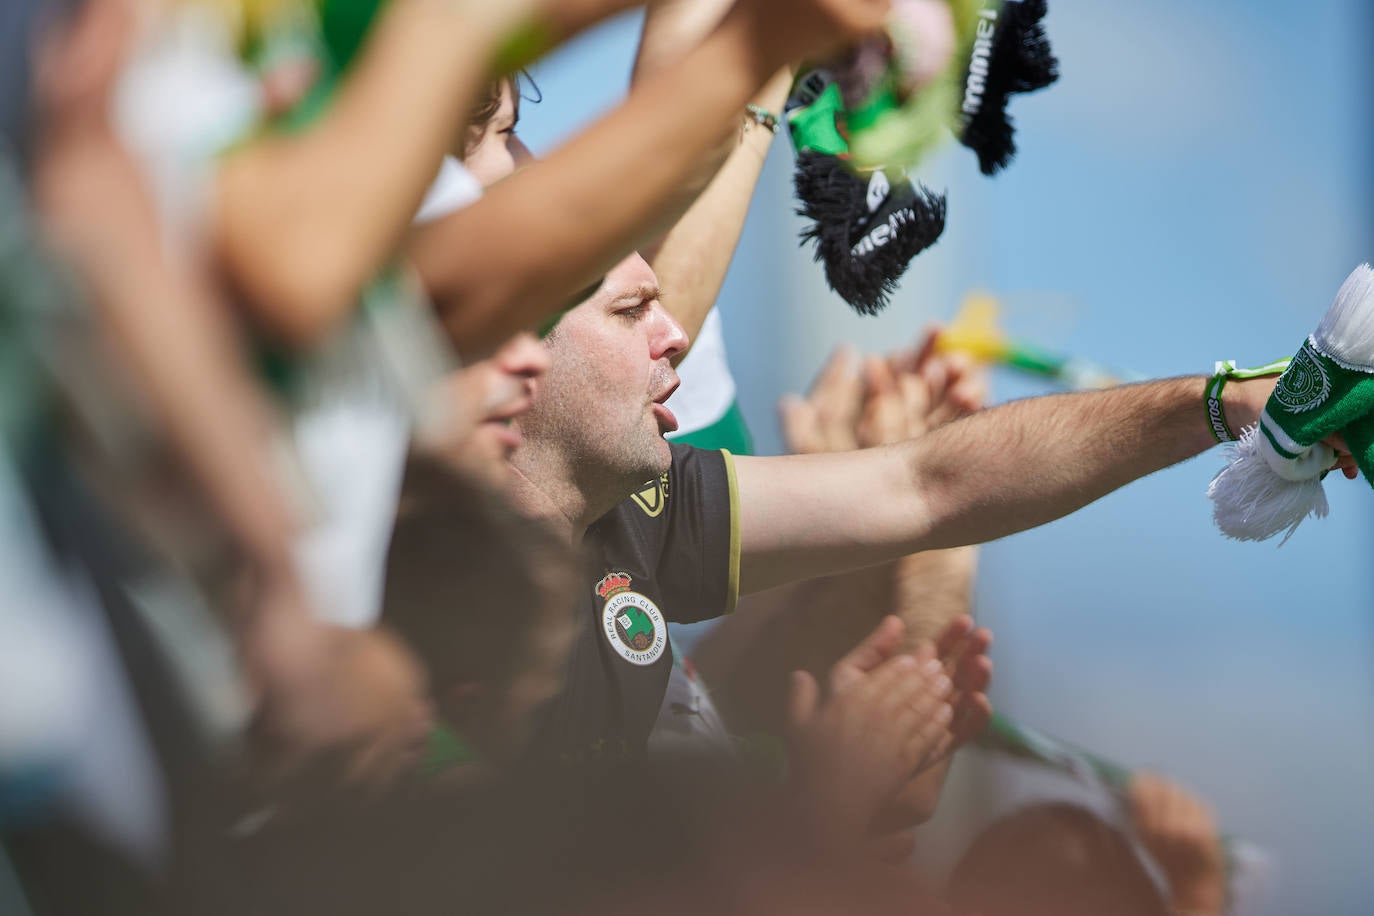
(732, 594)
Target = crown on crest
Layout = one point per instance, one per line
(613, 584)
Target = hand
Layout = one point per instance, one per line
(962, 649)
(884, 716)
(940, 387)
(883, 401)
(1345, 462)
(1245, 400)
(824, 421)
(350, 702)
(814, 27)
(79, 63)
(1180, 833)
(890, 402)
(568, 17)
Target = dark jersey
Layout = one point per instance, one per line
(668, 553)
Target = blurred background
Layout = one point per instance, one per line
(1195, 187)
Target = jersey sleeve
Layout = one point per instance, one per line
(699, 565)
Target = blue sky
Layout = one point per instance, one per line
(1196, 187)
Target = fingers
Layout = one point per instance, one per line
(824, 420)
(964, 648)
(958, 388)
(836, 383)
(1345, 462)
(802, 700)
(953, 635)
(911, 697)
(836, 395)
(916, 399)
(883, 414)
(969, 390)
(925, 349)
(930, 738)
(880, 401)
(971, 719)
(1178, 828)
(876, 648)
(973, 673)
(801, 428)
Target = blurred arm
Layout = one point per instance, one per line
(305, 220)
(173, 336)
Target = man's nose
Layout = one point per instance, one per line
(670, 339)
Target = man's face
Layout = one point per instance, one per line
(600, 408)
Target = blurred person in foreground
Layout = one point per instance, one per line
(1063, 859)
(527, 838)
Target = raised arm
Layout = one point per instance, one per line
(983, 477)
(163, 323)
(304, 220)
(692, 258)
(549, 231)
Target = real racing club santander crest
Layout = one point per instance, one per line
(632, 623)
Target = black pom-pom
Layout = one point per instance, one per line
(1018, 59)
(866, 230)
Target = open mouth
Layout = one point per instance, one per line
(666, 420)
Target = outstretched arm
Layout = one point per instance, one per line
(980, 478)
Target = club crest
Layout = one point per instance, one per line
(1304, 385)
(632, 623)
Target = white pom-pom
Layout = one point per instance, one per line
(1252, 503)
(1346, 332)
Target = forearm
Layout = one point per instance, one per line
(692, 259)
(932, 588)
(988, 475)
(167, 330)
(504, 263)
(305, 220)
(1029, 462)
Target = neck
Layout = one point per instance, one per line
(549, 486)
